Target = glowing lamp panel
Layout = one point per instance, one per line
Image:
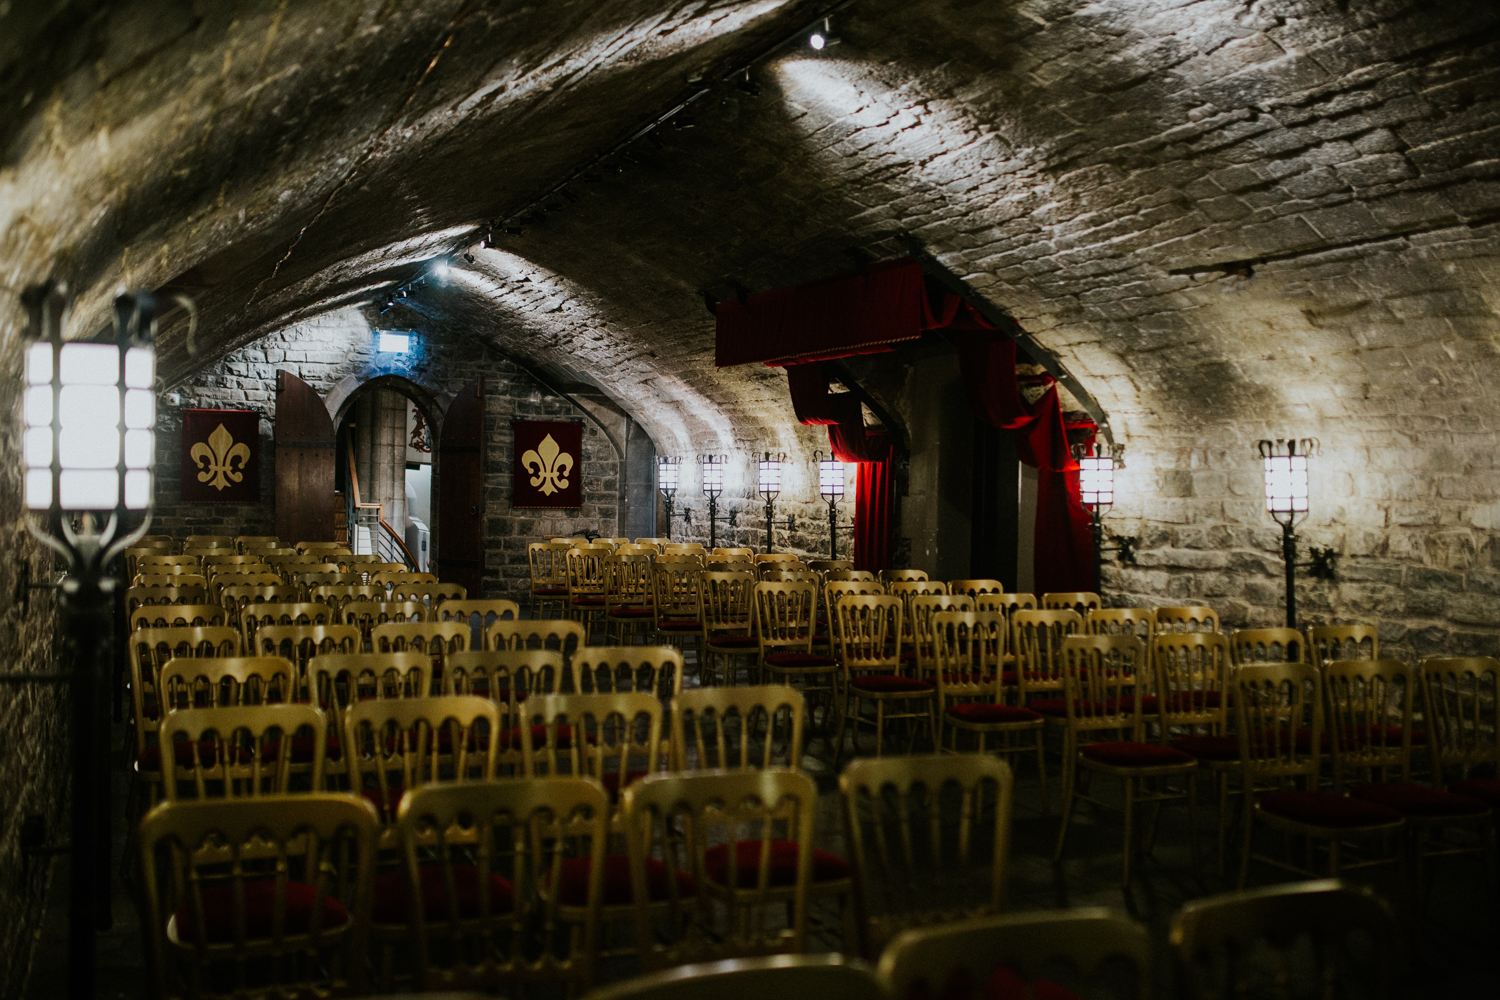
(831, 478)
(1096, 481)
(666, 477)
(1286, 484)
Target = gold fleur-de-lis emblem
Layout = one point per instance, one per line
(216, 459)
(551, 466)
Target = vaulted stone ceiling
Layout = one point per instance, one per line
(1229, 219)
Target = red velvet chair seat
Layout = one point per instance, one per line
(629, 614)
(589, 601)
(1415, 800)
(550, 591)
(539, 737)
(1032, 676)
(391, 906)
(951, 678)
(825, 867)
(1327, 809)
(611, 781)
(573, 888)
(386, 801)
(988, 713)
(1209, 747)
(890, 684)
(260, 911)
(909, 656)
(1483, 789)
(733, 642)
(1125, 753)
(801, 660)
(684, 625)
(1058, 707)
(1004, 984)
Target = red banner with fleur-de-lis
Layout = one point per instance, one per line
(548, 456)
(220, 456)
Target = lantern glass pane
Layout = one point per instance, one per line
(38, 446)
(138, 448)
(831, 478)
(37, 407)
(140, 408)
(770, 476)
(137, 489)
(86, 448)
(39, 489)
(90, 364)
(140, 367)
(39, 363)
(666, 476)
(88, 489)
(90, 407)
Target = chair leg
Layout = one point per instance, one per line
(879, 724)
(1129, 830)
(1249, 806)
(1041, 768)
(1068, 778)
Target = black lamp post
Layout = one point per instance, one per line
(831, 489)
(713, 485)
(89, 414)
(666, 481)
(1285, 465)
(770, 489)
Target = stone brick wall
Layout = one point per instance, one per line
(335, 354)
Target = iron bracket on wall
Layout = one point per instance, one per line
(24, 587)
(1324, 565)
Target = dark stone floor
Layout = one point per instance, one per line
(1458, 928)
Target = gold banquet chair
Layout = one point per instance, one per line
(239, 750)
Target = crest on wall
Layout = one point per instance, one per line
(548, 456)
(220, 456)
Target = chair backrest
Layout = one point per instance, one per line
(506, 676)
(1268, 645)
(481, 867)
(1193, 671)
(973, 588)
(1215, 941)
(728, 600)
(774, 573)
(299, 643)
(905, 576)
(1139, 622)
(1036, 638)
(477, 614)
(1187, 618)
(400, 743)
(737, 727)
(614, 738)
(658, 542)
(586, 570)
(1107, 676)
(336, 595)
(142, 580)
(835, 591)
(636, 549)
(365, 615)
(135, 553)
(828, 977)
(968, 650)
(204, 861)
(338, 680)
(734, 550)
(136, 597)
(850, 576)
(176, 615)
(918, 610)
(213, 681)
(208, 542)
(549, 564)
(785, 614)
(676, 818)
(602, 669)
(1082, 601)
(431, 594)
(436, 639)
(238, 750)
(1343, 642)
(864, 626)
(325, 578)
(1367, 705)
(1278, 711)
(231, 557)
(1005, 953)
(151, 648)
(1461, 713)
(254, 617)
(627, 581)
(308, 548)
(781, 557)
(677, 591)
(928, 838)
(149, 559)
(247, 542)
(561, 634)
(237, 597)
(684, 548)
(393, 577)
(909, 589)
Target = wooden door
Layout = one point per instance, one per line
(304, 463)
(460, 519)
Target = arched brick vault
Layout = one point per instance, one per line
(1230, 220)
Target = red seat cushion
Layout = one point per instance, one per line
(1483, 789)
(1209, 747)
(1004, 984)
(801, 660)
(1327, 809)
(734, 642)
(825, 867)
(260, 909)
(589, 601)
(988, 713)
(680, 626)
(574, 884)
(909, 656)
(891, 684)
(550, 591)
(1011, 676)
(631, 612)
(961, 678)
(611, 781)
(1124, 753)
(390, 904)
(1418, 800)
(1059, 706)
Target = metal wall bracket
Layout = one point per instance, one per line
(24, 587)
